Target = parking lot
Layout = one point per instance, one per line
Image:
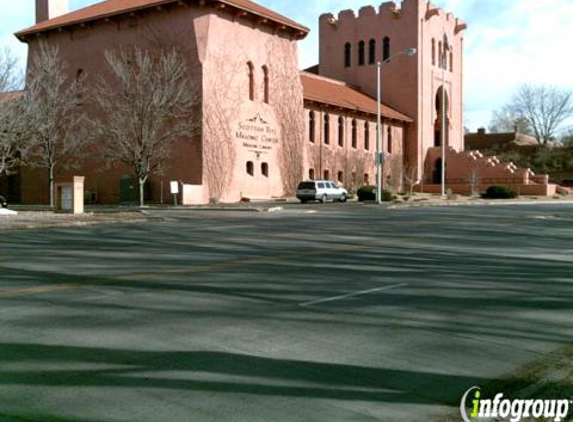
(337, 312)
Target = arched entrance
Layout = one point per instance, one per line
(440, 107)
(437, 172)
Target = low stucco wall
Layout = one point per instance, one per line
(466, 189)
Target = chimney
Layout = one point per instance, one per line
(50, 9)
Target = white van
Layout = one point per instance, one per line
(320, 190)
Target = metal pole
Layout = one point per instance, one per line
(379, 138)
(444, 118)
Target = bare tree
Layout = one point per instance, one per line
(543, 108)
(412, 180)
(11, 116)
(55, 121)
(507, 120)
(219, 152)
(12, 134)
(10, 78)
(474, 180)
(143, 108)
(567, 138)
(393, 173)
(288, 102)
(360, 169)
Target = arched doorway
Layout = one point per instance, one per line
(440, 107)
(437, 172)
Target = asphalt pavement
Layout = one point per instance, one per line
(337, 312)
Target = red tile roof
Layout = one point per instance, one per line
(339, 94)
(110, 8)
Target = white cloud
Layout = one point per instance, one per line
(526, 41)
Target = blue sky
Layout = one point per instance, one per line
(509, 42)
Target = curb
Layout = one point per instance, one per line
(269, 209)
(479, 204)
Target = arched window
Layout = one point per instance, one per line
(366, 136)
(354, 134)
(311, 174)
(348, 55)
(266, 84)
(390, 140)
(440, 54)
(361, 53)
(327, 129)
(451, 61)
(250, 168)
(311, 126)
(265, 169)
(372, 52)
(326, 175)
(340, 131)
(251, 81)
(440, 101)
(386, 49)
(433, 51)
(366, 179)
(340, 177)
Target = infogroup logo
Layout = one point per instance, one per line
(511, 410)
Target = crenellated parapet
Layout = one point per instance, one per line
(408, 10)
(350, 17)
(430, 11)
(366, 11)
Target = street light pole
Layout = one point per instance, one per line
(380, 156)
(379, 152)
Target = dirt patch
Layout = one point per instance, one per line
(549, 378)
(27, 220)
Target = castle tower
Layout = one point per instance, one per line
(49, 9)
(351, 45)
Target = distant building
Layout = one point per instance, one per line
(481, 140)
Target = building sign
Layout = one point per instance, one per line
(257, 134)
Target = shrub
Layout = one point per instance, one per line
(387, 196)
(499, 192)
(368, 193)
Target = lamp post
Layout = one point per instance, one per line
(380, 157)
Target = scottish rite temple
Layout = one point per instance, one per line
(263, 124)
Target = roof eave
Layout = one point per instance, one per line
(301, 30)
(403, 118)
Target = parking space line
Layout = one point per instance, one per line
(350, 295)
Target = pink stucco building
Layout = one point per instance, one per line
(413, 85)
(264, 124)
